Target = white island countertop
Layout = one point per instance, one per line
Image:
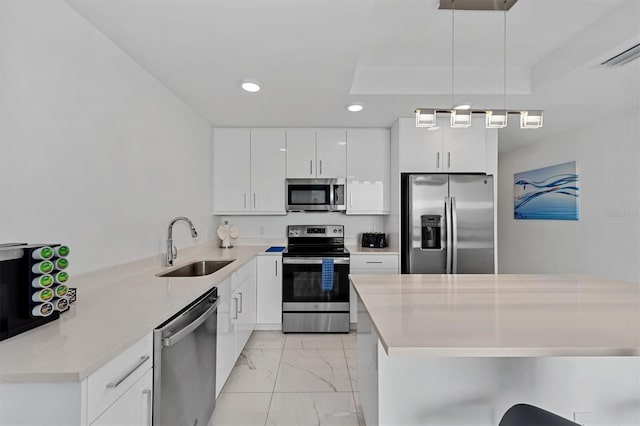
(502, 315)
(116, 307)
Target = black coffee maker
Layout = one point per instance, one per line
(32, 286)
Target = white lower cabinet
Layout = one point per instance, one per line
(226, 335)
(245, 296)
(133, 408)
(236, 319)
(269, 289)
(368, 264)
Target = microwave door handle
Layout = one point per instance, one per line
(332, 195)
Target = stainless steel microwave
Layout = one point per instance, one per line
(316, 195)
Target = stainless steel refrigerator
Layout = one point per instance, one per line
(447, 224)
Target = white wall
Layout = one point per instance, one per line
(605, 241)
(273, 229)
(95, 152)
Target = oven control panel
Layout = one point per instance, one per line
(315, 231)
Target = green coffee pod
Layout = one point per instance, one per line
(43, 295)
(43, 267)
(61, 304)
(61, 290)
(42, 310)
(61, 263)
(45, 253)
(61, 277)
(43, 281)
(62, 251)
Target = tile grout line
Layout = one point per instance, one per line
(284, 342)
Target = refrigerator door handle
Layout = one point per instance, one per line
(454, 236)
(448, 223)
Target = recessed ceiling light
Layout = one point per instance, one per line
(355, 107)
(250, 86)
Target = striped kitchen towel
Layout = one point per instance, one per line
(327, 274)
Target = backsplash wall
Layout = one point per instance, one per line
(271, 229)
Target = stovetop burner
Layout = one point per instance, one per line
(315, 240)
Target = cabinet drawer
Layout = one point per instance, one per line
(241, 274)
(375, 261)
(107, 384)
(133, 408)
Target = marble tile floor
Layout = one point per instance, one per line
(292, 379)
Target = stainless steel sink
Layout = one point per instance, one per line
(197, 269)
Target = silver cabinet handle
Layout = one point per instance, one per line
(275, 263)
(235, 299)
(245, 199)
(351, 199)
(241, 298)
(147, 393)
(254, 200)
(373, 262)
(448, 160)
(437, 160)
(320, 167)
(126, 374)
(311, 167)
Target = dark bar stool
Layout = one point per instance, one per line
(528, 415)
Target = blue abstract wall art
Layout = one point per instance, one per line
(549, 193)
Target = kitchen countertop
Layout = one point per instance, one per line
(502, 315)
(116, 307)
(356, 249)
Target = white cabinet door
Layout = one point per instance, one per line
(368, 162)
(301, 153)
(226, 334)
(133, 408)
(268, 165)
(245, 295)
(232, 170)
(420, 148)
(331, 153)
(269, 288)
(464, 149)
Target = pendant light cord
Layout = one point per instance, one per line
(453, 44)
(505, 57)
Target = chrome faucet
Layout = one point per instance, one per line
(172, 251)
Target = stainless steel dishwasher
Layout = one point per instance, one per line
(184, 366)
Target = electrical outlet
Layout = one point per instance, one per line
(584, 418)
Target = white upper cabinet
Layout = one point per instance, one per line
(420, 149)
(268, 162)
(232, 170)
(301, 153)
(249, 171)
(316, 153)
(444, 150)
(368, 163)
(331, 153)
(464, 149)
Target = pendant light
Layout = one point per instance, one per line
(460, 118)
(494, 118)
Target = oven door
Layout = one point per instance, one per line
(302, 282)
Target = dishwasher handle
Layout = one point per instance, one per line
(192, 325)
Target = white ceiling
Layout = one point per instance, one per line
(313, 57)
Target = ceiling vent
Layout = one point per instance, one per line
(498, 5)
(623, 57)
